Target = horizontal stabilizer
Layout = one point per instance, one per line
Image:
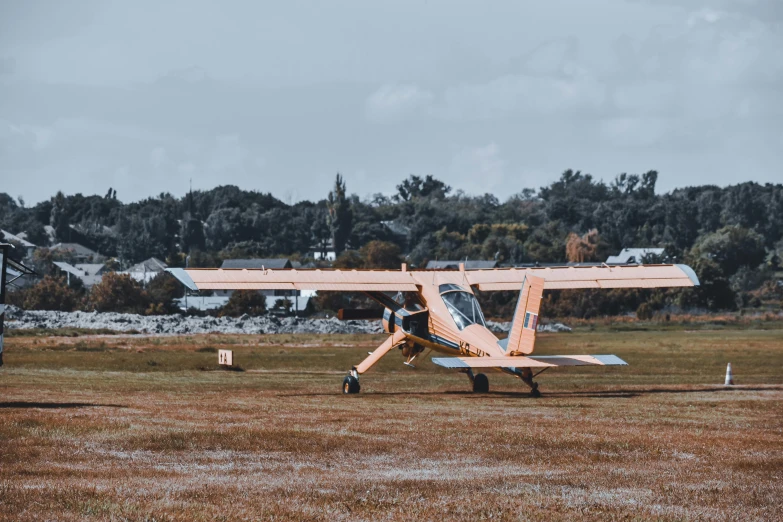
(538, 361)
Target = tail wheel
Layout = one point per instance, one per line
(480, 383)
(534, 391)
(350, 385)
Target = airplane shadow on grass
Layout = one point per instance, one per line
(56, 405)
(608, 394)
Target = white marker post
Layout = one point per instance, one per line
(225, 357)
(729, 378)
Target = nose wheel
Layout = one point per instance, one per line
(351, 383)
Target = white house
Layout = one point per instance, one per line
(147, 270)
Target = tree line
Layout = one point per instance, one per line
(732, 236)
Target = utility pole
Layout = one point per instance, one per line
(3, 266)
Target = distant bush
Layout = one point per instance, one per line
(118, 293)
(381, 254)
(283, 305)
(244, 302)
(51, 293)
(161, 292)
(325, 301)
(644, 312)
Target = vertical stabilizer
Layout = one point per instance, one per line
(522, 336)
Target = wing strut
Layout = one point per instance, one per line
(396, 339)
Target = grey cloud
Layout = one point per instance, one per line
(767, 11)
(279, 97)
(7, 66)
(392, 103)
(23, 23)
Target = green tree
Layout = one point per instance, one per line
(714, 291)
(340, 216)
(731, 247)
(320, 232)
(192, 234)
(416, 187)
(59, 218)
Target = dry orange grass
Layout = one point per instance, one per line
(89, 429)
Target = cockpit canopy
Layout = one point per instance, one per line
(463, 306)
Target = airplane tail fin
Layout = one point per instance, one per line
(521, 338)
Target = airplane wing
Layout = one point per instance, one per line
(538, 361)
(605, 276)
(260, 279)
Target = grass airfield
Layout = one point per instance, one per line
(148, 428)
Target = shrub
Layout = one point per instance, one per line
(644, 312)
(244, 302)
(381, 254)
(349, 259)
(161, 292)
(51, 293)
(284, 304)
(118, 293)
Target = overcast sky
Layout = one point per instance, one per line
(491, 96)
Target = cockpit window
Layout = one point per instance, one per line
(464, 308)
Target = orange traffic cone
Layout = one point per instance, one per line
(729, 378)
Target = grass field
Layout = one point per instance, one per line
(146, 428)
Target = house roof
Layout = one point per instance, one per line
(152, 264)
(633, 255)
(470, 264)
(256, 263)
(7, 236)
(78, 250)
(91, 268)
(89, 273)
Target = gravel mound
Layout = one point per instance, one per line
(179, 324)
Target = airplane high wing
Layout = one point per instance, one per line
(291, 279)
(438, 310)
(627, 276)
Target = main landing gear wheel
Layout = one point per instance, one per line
(480, 383)
(351, 385)
(534, 392)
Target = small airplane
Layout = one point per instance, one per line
(438, 310)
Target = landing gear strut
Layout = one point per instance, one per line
(351, 382)
(527, 378)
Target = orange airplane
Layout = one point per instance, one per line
(437, 310)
